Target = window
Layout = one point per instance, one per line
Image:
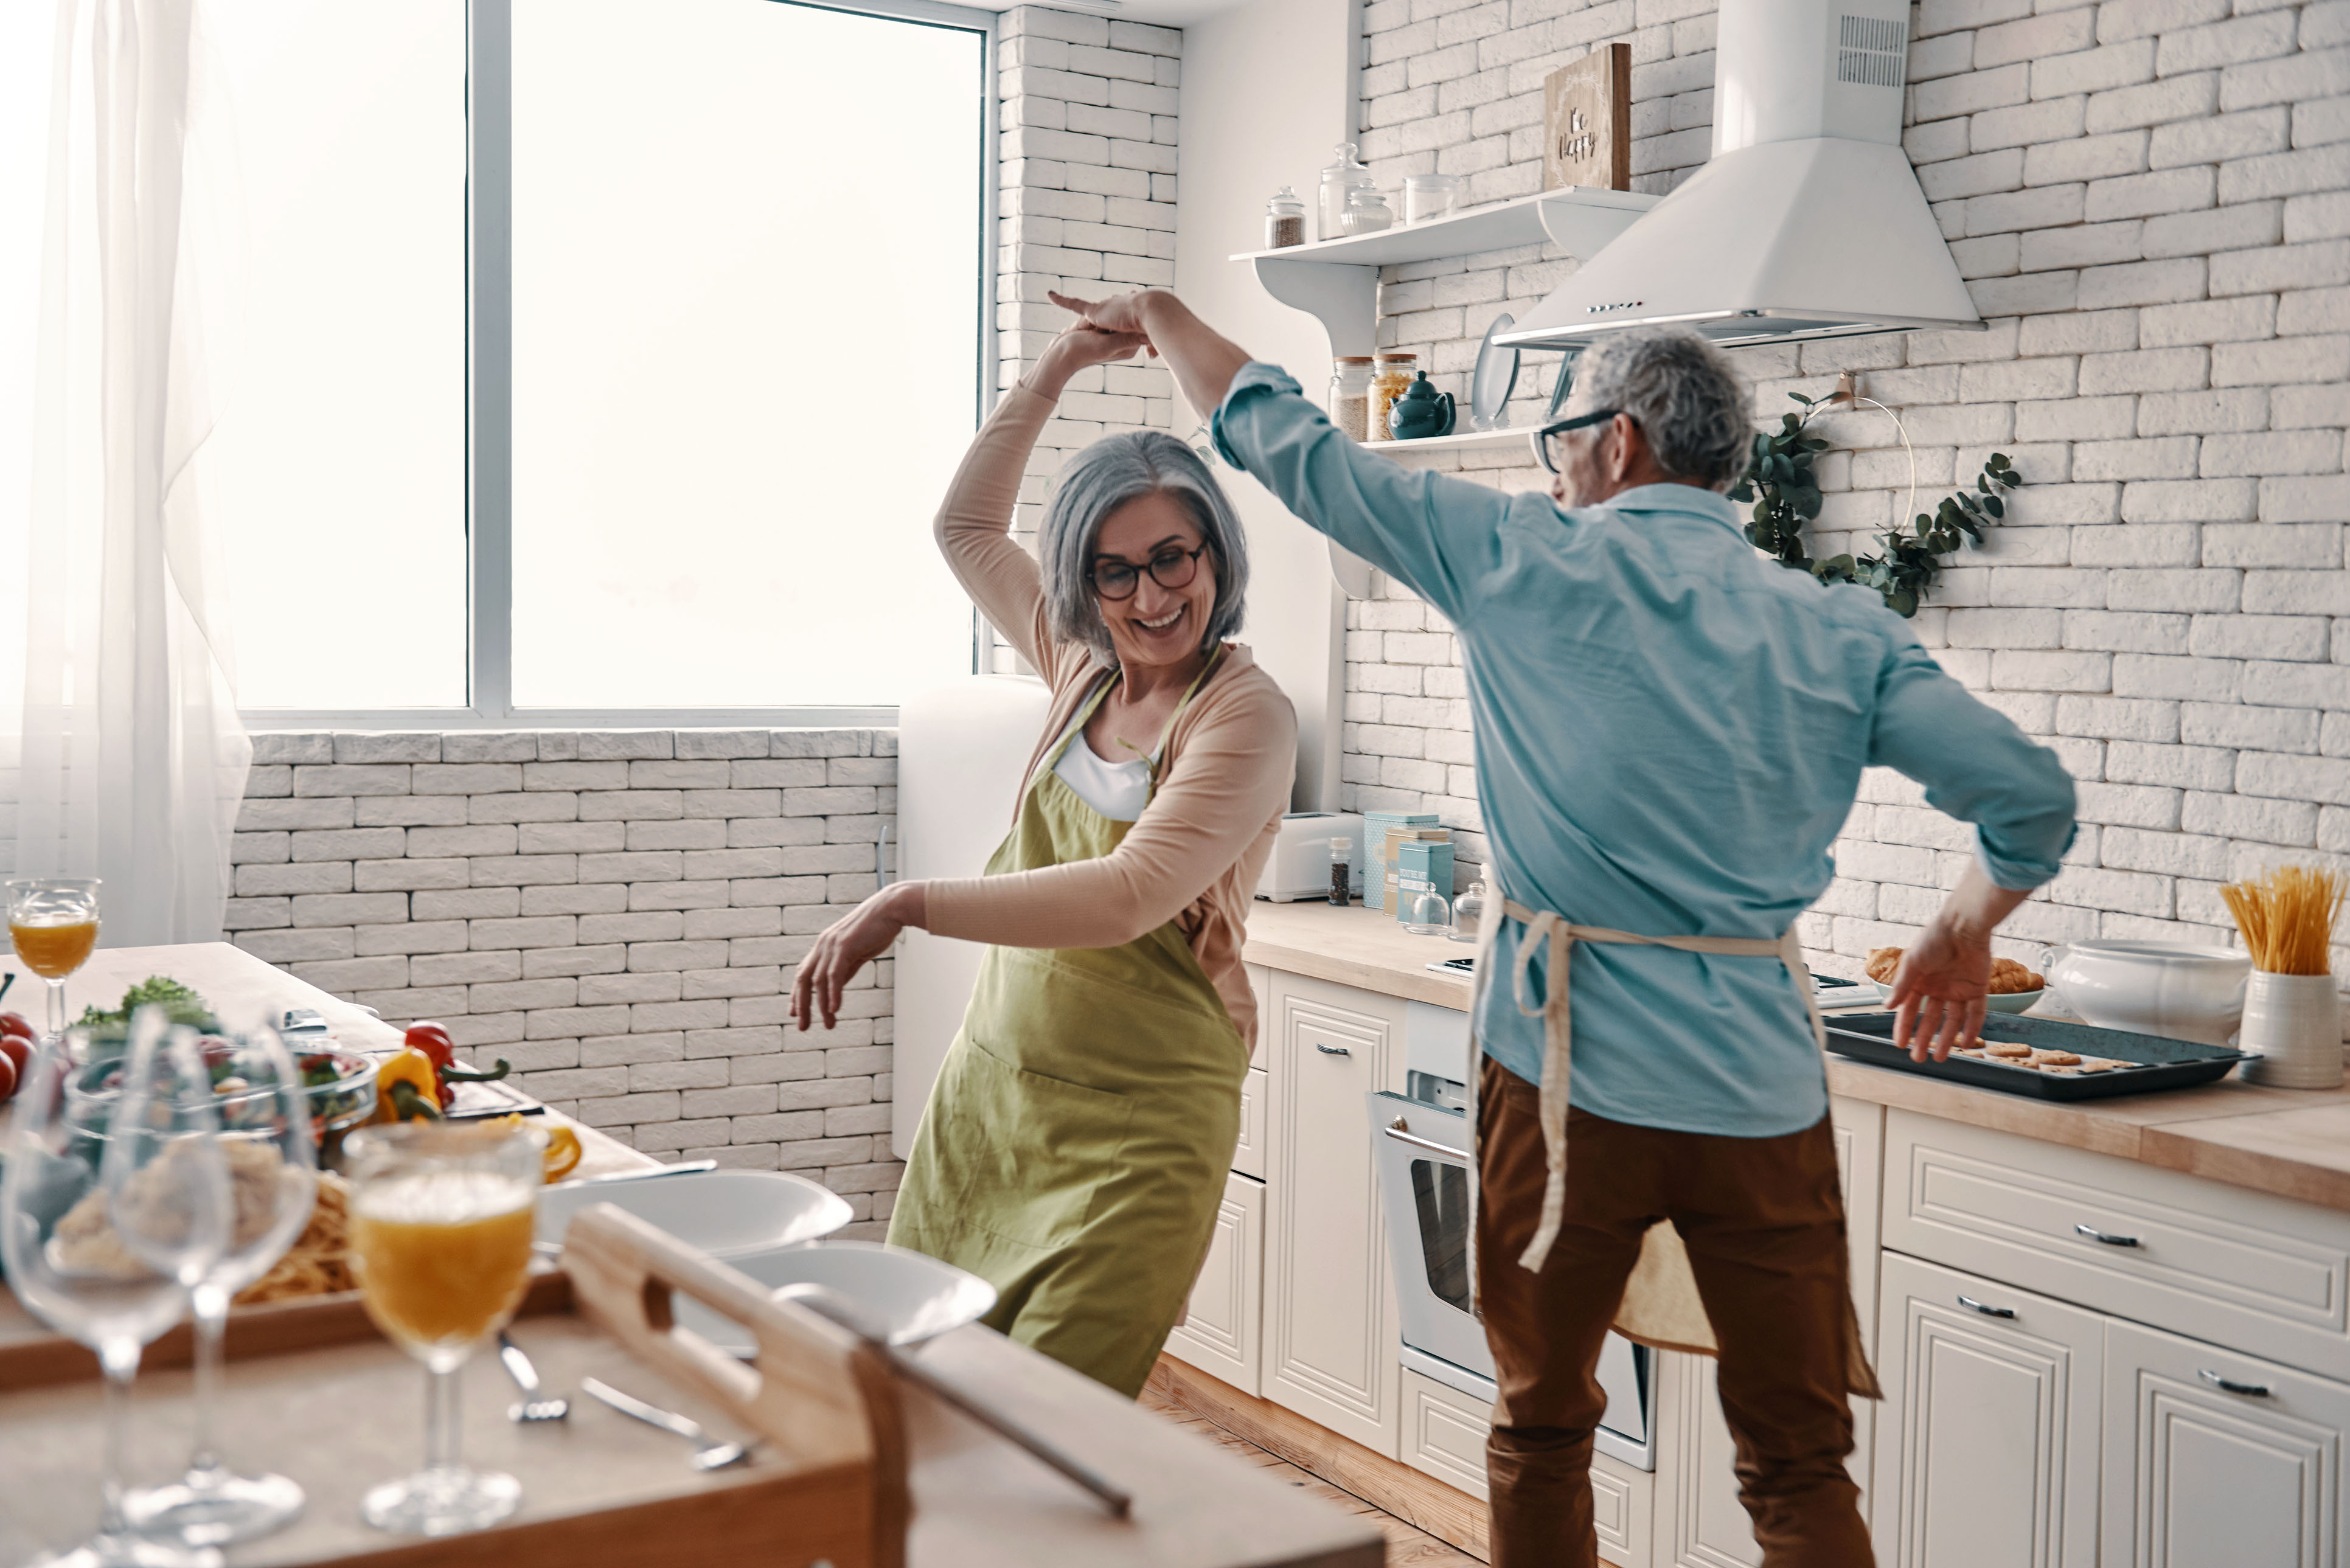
(607, 358)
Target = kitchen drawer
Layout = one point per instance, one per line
(1248, 1159)
(1224, 1328)
(1444, 1433)
(2219, 1263)
(2197, 1474)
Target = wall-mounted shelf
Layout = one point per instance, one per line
(1459, 441)
(1337, 281)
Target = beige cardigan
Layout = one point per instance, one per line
(1194, 855)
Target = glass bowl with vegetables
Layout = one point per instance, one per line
(339, 1086)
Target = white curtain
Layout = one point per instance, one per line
(132, 757)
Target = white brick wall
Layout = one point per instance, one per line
(2151, 202)
(617, 913)
(1087, 207)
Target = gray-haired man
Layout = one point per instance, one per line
(1670, 730)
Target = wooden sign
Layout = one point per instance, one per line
(1588, 122)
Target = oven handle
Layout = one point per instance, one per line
(1398, 1133)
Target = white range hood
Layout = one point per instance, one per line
(1808, 221)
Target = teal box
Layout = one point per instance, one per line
(1421, 867)
(1377, 868)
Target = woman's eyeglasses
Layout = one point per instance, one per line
(1551, 449)
(1171, 568)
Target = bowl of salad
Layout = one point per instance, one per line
(339, 1085)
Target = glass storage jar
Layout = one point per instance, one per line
(1285, 220)
(1351, 396)
(1390, 379)
(1366, 211)
(1345, 174)
(1427, 196)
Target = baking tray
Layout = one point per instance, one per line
(2156, 1063)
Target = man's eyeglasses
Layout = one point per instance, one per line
(1171, 568)
(1551, 449)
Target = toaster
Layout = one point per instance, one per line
(1299, 867)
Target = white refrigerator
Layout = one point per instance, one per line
(961, 752)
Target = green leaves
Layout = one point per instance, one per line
(1786, 495)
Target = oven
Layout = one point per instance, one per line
(1420, 1146)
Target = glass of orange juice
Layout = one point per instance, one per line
(440, 1226)
(53, 922)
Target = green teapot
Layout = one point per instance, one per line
(1420, 412)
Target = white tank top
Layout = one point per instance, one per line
(1118, 790)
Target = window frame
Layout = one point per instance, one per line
(489, 406)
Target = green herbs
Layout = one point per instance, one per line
(1779, 481)
(182, 1004)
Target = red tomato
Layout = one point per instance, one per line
(7, 1077)
(15, 1024)
(18, 1050)
(434, 1040)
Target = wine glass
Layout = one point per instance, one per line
(53, 922)
(441, 1222)
(258, 1094)
(101, 1261)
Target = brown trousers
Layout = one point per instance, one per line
(1763, 1222)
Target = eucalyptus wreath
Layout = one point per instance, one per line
(1779, 481)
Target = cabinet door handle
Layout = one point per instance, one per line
(1332, 1050)
(2229, 1386)
(1986, 1308)
(2105, 1237)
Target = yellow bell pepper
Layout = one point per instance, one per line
(562, 1154)
(406, 1089)
(563, 1151)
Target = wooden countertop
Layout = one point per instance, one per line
(2292, 1143)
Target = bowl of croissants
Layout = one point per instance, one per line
(2014, 988)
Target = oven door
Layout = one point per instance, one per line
(1422, 1154)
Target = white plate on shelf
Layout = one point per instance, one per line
(913, 1295)
(1495, 379)
(724, 1212)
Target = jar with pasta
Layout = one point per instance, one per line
(1390, 379)
(1351, 396)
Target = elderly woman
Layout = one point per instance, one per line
(1075, 1144)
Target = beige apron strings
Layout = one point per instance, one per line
(1558, 1034)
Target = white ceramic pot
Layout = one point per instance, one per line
(2176, 990)
(2293, 1021)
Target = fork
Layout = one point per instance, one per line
(531, 1408)
(709, 1453)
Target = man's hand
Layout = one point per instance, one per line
(1938, 991)
(1120, 314)
(848, 945)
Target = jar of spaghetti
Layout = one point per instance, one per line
(1390, 379)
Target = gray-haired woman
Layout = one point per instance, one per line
(1074, 1146)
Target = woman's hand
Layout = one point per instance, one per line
(1079, 346)
(848, 945)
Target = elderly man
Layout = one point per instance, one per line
(1671, 730)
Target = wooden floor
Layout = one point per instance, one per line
(1406, 1547)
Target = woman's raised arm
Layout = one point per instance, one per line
(974, 527)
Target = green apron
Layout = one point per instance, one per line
(1075, 1148)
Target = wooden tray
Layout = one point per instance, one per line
(317, 1395)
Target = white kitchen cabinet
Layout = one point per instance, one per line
(1705, 1524)
(1248, 1158)
(1988, 1441)
(2201, 1473)
(1223, 1335)
(1330, 1336)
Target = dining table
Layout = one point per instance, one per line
(977, 1501)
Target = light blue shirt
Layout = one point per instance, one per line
(1670, 728)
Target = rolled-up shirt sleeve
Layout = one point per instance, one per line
(1432, 531)
(1976, 765)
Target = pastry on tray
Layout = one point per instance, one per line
(2008, 977)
